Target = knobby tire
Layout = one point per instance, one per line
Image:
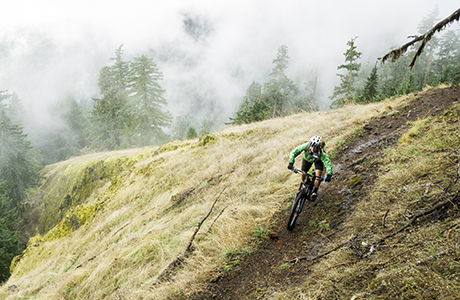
(294, 211)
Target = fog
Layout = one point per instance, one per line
(49, 49)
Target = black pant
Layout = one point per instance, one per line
(307, 165)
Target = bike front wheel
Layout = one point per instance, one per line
(295, 210)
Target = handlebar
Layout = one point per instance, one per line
(297, 171)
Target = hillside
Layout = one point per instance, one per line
(392, 168)
(205, 218)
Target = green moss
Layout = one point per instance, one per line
(76, 183)
(35, 241)
(232, 136)
(206, 140)
(73, 220)
(33, 246)
(452, 114)
(174, 145)
(149, 169)
(14, 263)
(355, 181)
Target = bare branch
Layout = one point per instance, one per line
(90, 259)
(316, 257)
(189, 247)
(321, 255)
(384, 217)
(422, 213)
(425, 38)
(221, 212)
(181, 258)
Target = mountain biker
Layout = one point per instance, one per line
(313, 153)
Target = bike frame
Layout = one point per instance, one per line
(305, 187)
(308, 183)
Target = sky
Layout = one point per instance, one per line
(58, 47)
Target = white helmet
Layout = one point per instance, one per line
(316, 141)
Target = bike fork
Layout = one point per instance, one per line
(302, 202)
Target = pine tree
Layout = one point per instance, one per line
(11, 154)
(280, 89)
(9, 245)
(420, 63)
(392, 74)
(16, 110)
(307, 100)
(110, 115)
(76, 120)
(204, 131)
(407, 85)
(66, 137)
(447, 65)
(180, 127)
(346, 92)
(19, 167)
(428, 22)
(312, 93)
(191, 133)
(146, 101)
(253, 92)
(252, 109)
(244, 115)
(370, 91)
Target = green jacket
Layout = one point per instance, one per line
(308, 157)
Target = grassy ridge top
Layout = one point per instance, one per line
(115, 221)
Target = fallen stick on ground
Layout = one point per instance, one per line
(316, 257)
(181, 258)
(422, 213)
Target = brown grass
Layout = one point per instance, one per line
(419, 263)
(140, 229)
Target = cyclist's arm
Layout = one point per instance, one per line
(297, 151)
(327, 163)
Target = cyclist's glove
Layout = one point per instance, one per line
(291, 166)
(328, 178)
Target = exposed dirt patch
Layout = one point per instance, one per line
(263, 272)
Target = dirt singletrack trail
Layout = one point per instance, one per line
(261, 273)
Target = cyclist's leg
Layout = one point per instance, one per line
(305, 167)
(318, 171)
(319, 167)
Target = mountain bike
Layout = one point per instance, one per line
(304, 193)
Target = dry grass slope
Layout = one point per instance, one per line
(420, 173)
(143, 216)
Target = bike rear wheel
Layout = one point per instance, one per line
(295, 210)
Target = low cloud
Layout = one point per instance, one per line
(212, 48)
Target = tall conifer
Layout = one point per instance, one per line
(346, 92)
(147, 102)
(280, 89)
(110, 115)
(370, 91)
